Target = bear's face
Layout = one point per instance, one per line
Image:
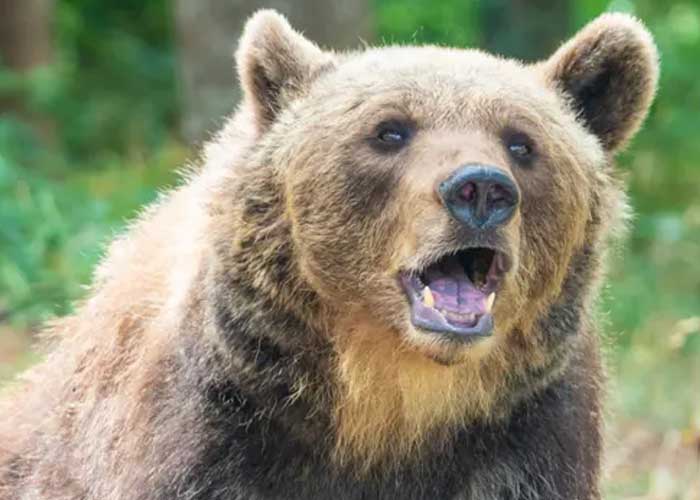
(440, 193)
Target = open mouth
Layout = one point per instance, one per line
(456, 293)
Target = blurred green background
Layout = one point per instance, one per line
(102, 100)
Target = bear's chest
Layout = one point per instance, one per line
(534, 456)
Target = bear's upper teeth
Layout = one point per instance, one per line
(489, 301)
(428, 298)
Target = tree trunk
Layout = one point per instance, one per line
(26, 43)
(25, 33)
(525, 29)
(207, 32)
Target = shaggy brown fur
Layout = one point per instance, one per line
(248, 338)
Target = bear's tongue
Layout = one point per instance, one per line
(453, 293)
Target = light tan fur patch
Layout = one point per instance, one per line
(391, 398)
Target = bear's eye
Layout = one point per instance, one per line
(520, 147)
(392, 135)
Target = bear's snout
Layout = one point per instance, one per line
(480, 196)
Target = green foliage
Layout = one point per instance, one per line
(112, 87)
(53, 225)
(427, 21)
(104, 145)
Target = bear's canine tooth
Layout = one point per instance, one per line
(428, 298)
(489, 301)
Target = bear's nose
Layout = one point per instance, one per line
(480, 196)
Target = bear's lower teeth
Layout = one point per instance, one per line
(489, 301)
(428, 298)
(459, 317)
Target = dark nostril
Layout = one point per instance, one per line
(468, 191)
(497, 195)
(480, 196)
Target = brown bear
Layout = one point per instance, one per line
(381, 283)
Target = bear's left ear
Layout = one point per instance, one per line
(275, 64)
(609, 71)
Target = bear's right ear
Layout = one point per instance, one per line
(609, 73)
(275, 64)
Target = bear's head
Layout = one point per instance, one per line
(431, 205)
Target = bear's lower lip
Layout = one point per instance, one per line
(455, 294)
